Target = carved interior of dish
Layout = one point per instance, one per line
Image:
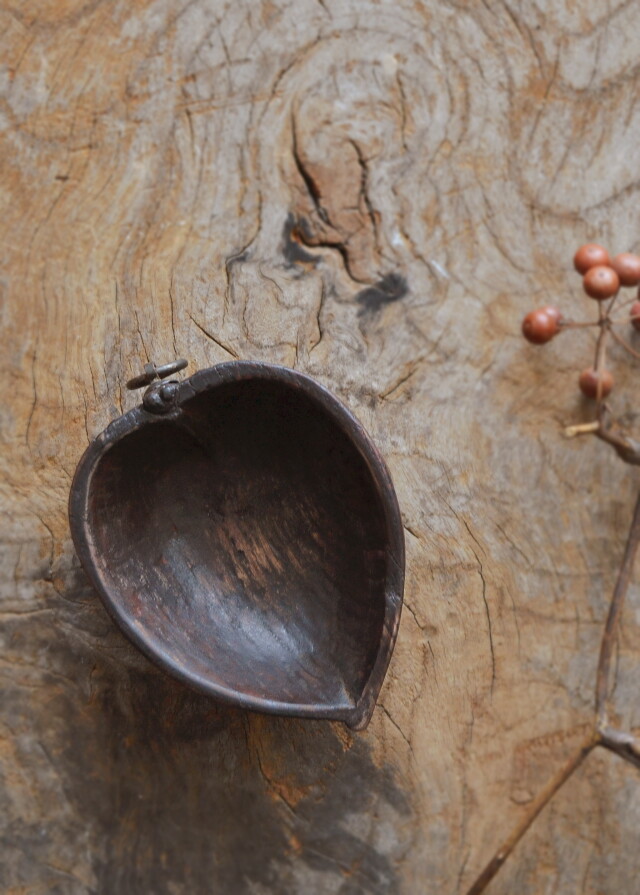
(245, 541)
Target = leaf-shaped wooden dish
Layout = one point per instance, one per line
(249, 541)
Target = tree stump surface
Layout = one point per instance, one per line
(373, 193)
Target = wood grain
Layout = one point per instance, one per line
(373, 193)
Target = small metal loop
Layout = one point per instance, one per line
(169, 369)
(151, 373)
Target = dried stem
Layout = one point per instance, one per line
(612, 304)
(613, 618)
(543, 798)
(601, 350)
(620, 321)
(624, 344)
(582, 429)
(619, 742)
(575, 324)
(627, 303)
(622, 744)
(627, 448)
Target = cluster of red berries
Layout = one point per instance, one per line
(602, 278)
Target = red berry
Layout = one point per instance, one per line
(634, 313)
(589, 383)
(589, 256)
(601, 282)
(627, 266)
(541, 326)
(553, 312)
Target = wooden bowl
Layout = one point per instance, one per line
(249, 541)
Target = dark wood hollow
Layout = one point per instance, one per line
(246, 541)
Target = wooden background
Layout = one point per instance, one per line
(373, 193)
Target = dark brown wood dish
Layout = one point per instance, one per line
(248, 539)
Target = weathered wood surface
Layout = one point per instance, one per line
(373, 193)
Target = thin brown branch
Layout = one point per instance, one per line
(621, 321)
(613, 617)
(611, 305)
(601, 352)
(627, 448)
(622, 744)
(618, 338)
(576, 324)
(627, 303)
(542, 799)
(619, 742)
